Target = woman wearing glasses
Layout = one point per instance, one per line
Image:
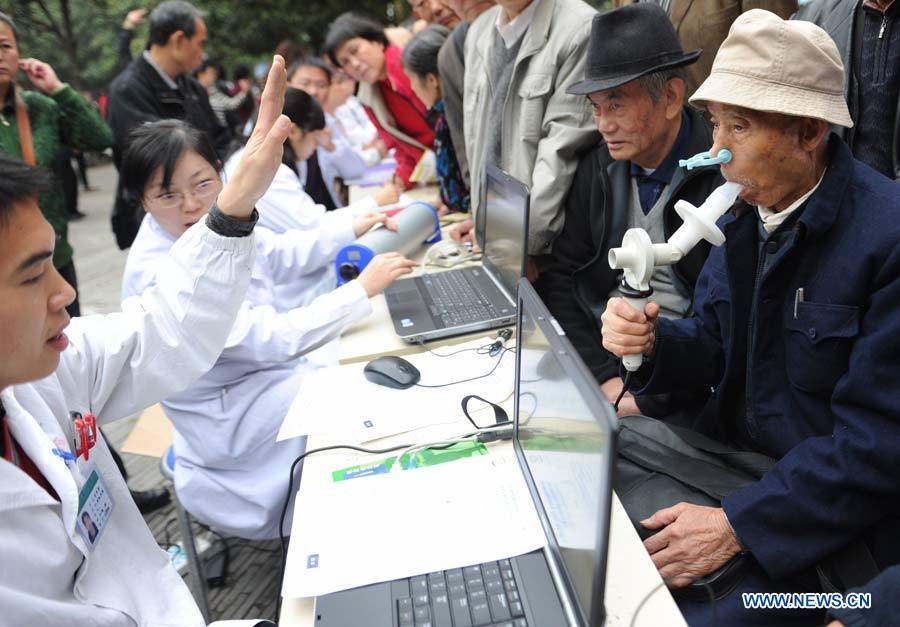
(230, 471)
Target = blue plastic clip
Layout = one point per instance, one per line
(703, 158)
(65, 455)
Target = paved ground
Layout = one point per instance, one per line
(250, 590)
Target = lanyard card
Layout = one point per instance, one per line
(94, 509)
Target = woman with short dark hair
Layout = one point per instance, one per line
(359, 46)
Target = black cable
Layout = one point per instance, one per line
(491, 349)
(624, 390)
(287, 501)
(456, 352)
(666, 580)
(497, 365)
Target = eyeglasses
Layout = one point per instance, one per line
(306, 83)
(204, 192)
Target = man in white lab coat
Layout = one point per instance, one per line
(54, 571)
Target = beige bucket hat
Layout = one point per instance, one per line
(769, 64)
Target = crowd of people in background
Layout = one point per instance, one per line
(782, 342)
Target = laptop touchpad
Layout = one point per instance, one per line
(369, 605)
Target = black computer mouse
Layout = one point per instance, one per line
(393, 372)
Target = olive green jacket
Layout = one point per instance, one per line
(63, 119)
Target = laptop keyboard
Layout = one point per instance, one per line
(457, 300)
(461, 597)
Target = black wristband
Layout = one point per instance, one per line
(226, 226)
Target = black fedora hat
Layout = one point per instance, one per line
(627, 43)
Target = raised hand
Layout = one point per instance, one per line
(134, 19)
(41, 75)
(263, 152)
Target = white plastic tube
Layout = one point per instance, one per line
(700, 222)
(638, 256)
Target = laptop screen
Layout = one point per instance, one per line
(565, 437)
(505, 228)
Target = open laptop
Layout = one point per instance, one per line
(564, 440)
(464, 300)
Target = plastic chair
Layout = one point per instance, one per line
(195, 566)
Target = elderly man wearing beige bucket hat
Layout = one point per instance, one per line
(795, 333)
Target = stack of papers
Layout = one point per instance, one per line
(408, 522)
(376, 175)
(340, 401)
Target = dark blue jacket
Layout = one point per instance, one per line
(824, 383)
(885, 590)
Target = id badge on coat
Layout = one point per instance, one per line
(94, 508)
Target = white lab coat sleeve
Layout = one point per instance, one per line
(363, 206)
(263, 335)
(343, 161)
(370, 156)
(293, 254)
(167, 337)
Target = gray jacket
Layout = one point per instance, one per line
(840, 19)
(543, 128)
(452, 68)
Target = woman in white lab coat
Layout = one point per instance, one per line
(230, 472)
(287, 205)
(54, 570)
(337, 155)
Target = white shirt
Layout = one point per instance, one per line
(344, 161)
(511, 29)
(369, 156)
(115, 366)
(771, 220)
(357, 125)
(230, 472)
(286, 206)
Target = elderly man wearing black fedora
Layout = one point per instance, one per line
(635, 85)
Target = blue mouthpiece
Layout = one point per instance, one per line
(704, 158)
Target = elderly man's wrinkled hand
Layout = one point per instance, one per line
(694, 542)
(627, 331)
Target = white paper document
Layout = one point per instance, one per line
(340, 401)
(381, 527)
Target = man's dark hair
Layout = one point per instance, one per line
(420, 55)
(315, 62)
(19, 181)
(656, 82)
(349, 26)
(12, 26)
(169, 18)
(160, 144)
